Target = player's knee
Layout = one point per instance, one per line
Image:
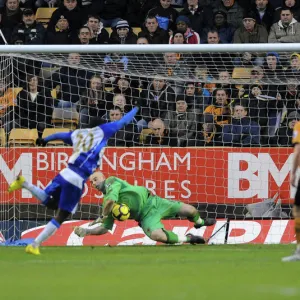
(159, 236)
(296, 211)
(187, 210)
(62, 216)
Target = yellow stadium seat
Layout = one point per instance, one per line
(22, 137)
(65, 117)
(2, 137)
(241, 73)
(49, 131)
(43, 14)
(136, 30)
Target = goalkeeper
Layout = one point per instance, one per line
(145, 208)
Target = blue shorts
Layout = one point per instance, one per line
(66, 188)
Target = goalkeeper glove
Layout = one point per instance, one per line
(40, 142)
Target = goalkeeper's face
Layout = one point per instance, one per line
(97, 180)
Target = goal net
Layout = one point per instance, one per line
(214, 131)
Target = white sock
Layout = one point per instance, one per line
(199, 221)
(50, 228)
(182, 239)
(298, 247)
(35, 191)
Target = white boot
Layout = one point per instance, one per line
(294, 257)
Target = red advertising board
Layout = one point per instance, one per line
(193, 175)
(129, 233)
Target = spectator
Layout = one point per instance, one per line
(272, 67)
(10, 16)
(153, 33)
(124, 87)
(159, 98)
(173, 66)
(213, 37)
(264, 13)
(233, 11)
(287, 30)
(250, 31)
(7, 102)
(69, 81)
(125, 137)
(113, 11)
(92, 103)
(206, 136)
(183, 25)
(181, 124)
(35, 107)
(242, 132)
(29, 31)
(177, 38)
(200, 16)
(159, 135)
(196, 97)
(265, 107)
(257, 75)
(165, 14)
(216, 61)
(285, 133)
(71, 10)
(84, 36)
(291, 95)
(61, 35)
(99, 35)
(225, 31)
(293, 70)
(247, 60)
(123, 34)
(293, 5)
(220, 110)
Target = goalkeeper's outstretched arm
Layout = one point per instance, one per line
(99, 230)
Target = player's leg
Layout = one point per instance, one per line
(296, 214)
(153, 228)
(193, 215)
(21, 182)
(69, 198)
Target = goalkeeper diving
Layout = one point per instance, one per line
(148, 210)
(64, 192)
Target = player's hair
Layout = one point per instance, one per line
(84, 27)
(212, 30)
(285, 8)
(116, 108)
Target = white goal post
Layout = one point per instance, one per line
(223, 180)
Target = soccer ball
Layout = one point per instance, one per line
(120, 212)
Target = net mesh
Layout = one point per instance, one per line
(213, 130)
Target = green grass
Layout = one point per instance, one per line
(150, 272)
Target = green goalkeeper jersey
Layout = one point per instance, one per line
(120, 191)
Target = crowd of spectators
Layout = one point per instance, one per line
(186, 99)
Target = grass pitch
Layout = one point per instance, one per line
(150, 272)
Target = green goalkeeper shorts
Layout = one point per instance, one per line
(158, 209)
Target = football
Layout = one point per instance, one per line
(120, 212)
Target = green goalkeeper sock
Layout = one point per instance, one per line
(196, 219)
(172, 238)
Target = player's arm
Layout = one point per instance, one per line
(64, 136)
(99, 230)
(111, 128)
